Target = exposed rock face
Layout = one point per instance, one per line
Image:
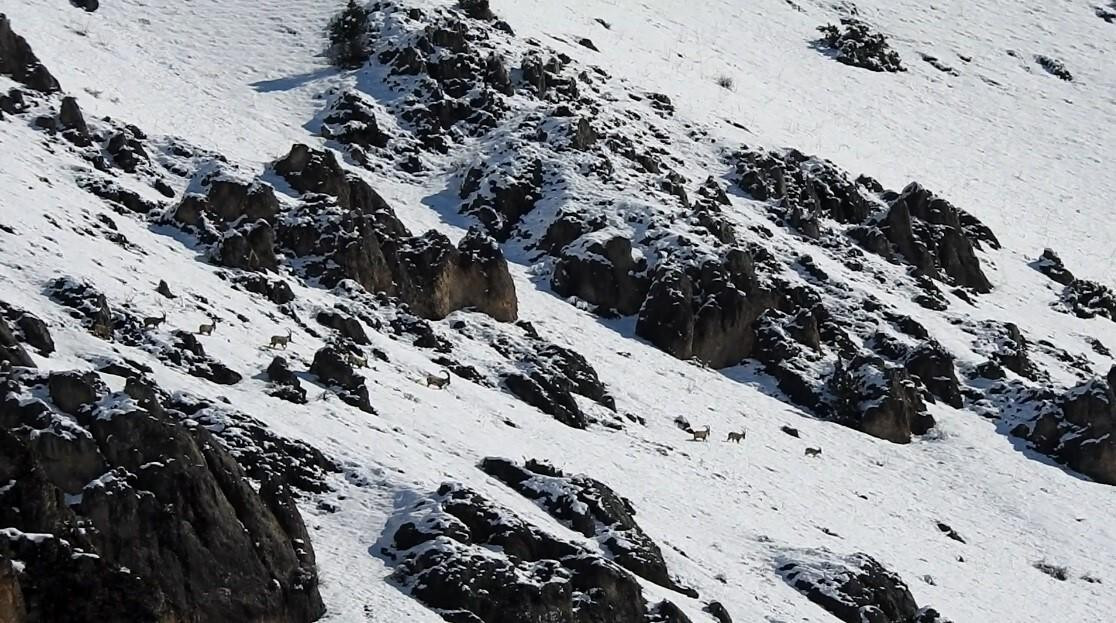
(20, 63)
(444, 279)
(348, 326)
(602, 273)
(187, 352)
(706, 312)
(445, 553)
(930, 233)
(11, 351)
(933, 365)
(1051, 265)
(249, 247)
(549, 395)
(352, 120)
(591, 508)
(805, 188)
(331, 366)
(502, 196)
(859, 46)
(164, 500)
(880, 399)
(227, 201)
(359, 237)
(855, 588)
(1089, 299)
(1080, 429)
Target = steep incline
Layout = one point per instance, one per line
(622, 253)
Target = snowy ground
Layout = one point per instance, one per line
(1030, 156)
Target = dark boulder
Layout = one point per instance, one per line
(1051, 265)
(117, 196)
(1089, 299)
(229, 200)
(1080, 429)
(332, 367)
(275, 290)
(854, 588)
(287, 385)
(20, 63)
(549, 394)
(87, 303)
(439, 278)
(859, 46)
(11, 351)
(933, 365)
(351, 120)
(349, 327)
(717, 611)
(73, 391)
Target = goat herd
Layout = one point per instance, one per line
(737, 437)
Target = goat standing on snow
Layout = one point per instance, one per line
(281, 340)
(701, 435)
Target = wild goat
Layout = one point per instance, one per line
(737, 437)
(813, 451)
(207, 329)
(439, 382)
(154, 321)
(103, 331)
(281, 340)
(701, 435)
(356, 361)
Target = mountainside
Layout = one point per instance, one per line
(587, 312)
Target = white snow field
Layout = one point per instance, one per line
(1028, 154)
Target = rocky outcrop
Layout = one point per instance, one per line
(285, 382)
(1089, 299)
(591, 508)
(602, 273)
(248, 247)
(171, 527)
(706, 312)
(1051, 265)
(11, 350)
(499, 197)
(854, 588)
(228, 201)
(332, 367)
(933, 365)
(356, 235)
(879, 399)
(930, 233)
(469, 559)
(351, 120)
(186, 352)
(20, 63)
(855, 43)
(1079, 429)
(86, 303)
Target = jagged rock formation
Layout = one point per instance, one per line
(1079, 429)
(18, 61)
(591, 508)
(443, 556)
(1089, 299)
(880, 399)
(142, 516)
(854, 588)
(332, 367)
(858, 45)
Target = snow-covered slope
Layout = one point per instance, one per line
(1026, 153)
